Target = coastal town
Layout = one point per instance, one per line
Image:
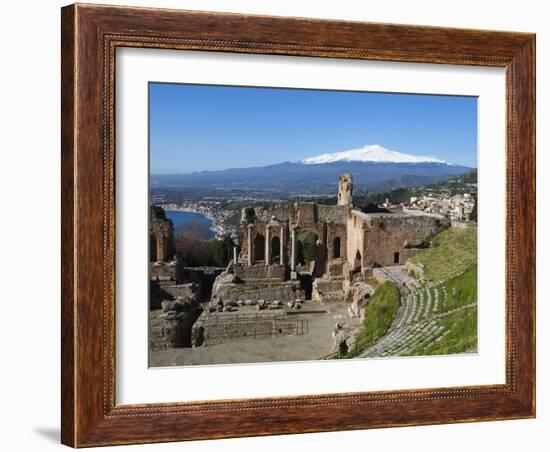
(457, 204)
(223, 224)
(456, 207)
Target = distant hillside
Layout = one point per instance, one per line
(452, 252)
(463, 183)
(459, 184)
(303, 178)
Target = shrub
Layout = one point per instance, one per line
(250, 214)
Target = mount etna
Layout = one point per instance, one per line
(373, 167)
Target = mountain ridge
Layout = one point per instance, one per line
(372, 166)
(300, 178)
(370, 153)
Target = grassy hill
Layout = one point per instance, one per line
(434, 316)
(451, 253)
(461, 337)
(451, 263)
(379, 315)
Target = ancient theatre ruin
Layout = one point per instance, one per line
(298, 256)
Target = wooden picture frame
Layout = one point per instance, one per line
(90, 36)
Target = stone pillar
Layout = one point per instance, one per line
(345, 190)
(267, 246)
(249, 244)
(160, 248)
(234, 255)
(282, 243)
(293, 249)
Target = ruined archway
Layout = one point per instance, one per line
(307, 248)
(259, 247)
(275, 249)
(357, 261)
(396, 259)
(152, 248)
(336, 248)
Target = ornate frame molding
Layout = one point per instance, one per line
(90, 36)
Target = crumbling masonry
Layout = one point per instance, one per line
(304, 250)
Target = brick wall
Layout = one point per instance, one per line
(268, 291)
(386, 235)
(215, 328)
(260, 271)
(162, 271)
(166, 334)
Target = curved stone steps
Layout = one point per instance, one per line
(415, 325)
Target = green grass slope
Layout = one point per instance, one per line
(462, 336)
(452, 263)
(452, 252)
(379, 315)
(441, 313)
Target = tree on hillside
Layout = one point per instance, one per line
(306, 247)
(192, 247)
(197, 250)
(157, 212)
(221, 251)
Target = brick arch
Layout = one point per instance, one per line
(336, 247)
(304, 250)
(259, 247)
(316, 231)
(275, 248)
(357, 262)
(152, 247)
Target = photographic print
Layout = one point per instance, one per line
(243, 196)
(300, 224)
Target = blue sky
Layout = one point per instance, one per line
(198, 127)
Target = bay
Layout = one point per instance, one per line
(191, 220)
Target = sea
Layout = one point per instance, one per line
(183, 220)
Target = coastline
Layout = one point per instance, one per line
(215, 227)
(190, 210)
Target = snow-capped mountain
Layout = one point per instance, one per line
(373, 167)
(370, 153)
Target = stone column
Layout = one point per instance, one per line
(234, 255)
(293, 249)
(249, 244)
(267, 246)
(282, 247)
(160, 248)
